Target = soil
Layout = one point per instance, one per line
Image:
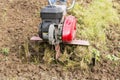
(18, 21)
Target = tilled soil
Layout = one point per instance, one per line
(18, 21)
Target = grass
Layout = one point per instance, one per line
(93, 20)
(4, 16)
(112, 57)
(5, 51)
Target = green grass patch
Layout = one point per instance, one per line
(5, 51)
(94, 19)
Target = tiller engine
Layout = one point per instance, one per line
(56, 27)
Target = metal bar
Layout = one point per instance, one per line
(74, 42)
(35, 38)
(79, 42)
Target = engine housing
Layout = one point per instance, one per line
(49, 15)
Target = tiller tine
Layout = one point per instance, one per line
(35, 38)
(58, 52)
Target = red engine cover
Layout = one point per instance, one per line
(69, 29)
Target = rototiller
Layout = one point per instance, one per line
(56, 27)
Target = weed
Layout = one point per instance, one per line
(48, 57)
(24, 51)
(112, 57)
(5, 51)
(4, 16)
(96, 54)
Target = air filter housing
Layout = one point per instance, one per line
(51, 12)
